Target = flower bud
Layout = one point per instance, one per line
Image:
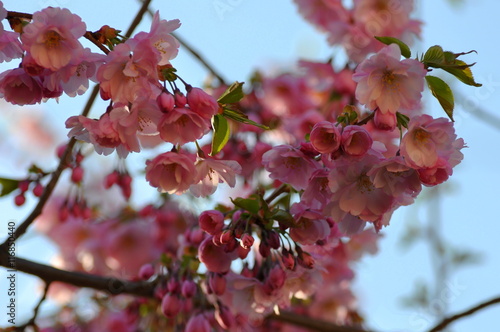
(325, 137)
(211, 221)
(170, 305)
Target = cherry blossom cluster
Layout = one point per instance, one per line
(324, 156)
(353, 28)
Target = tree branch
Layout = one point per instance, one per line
(447, 321)
(110, 285)
(311, 323)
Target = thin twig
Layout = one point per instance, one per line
(281, 189)
(138, 18)
(31, 322)
(447, 321)
(311, 323)
(196, 54)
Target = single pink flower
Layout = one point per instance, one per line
(388, 83)
(396, 179)
(52, 37)
(10, 46)
(182, 125)
(211, 221)
(170, 305)
(198, 323)
(356, 141)
(19, 88)
(202, 103)
(322, 12)
(160, 38)
(354, 192)
(171, 172)
(311, 225)
(387, 121)
(317, 193)
(215, 258)
(325, 137)
(428, 140)
(130, 246)
(289, 165)
(114, 130)
(210, 172)
(129, 73)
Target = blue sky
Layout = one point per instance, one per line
(269, 34)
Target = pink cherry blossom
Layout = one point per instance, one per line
(356, 140)
(215, 258)
(171, 172)
(130, 247)
(428, 140)
(210, 172)
(317, 193)
(388, 83)
(114, 130)
(354, 192)
(325, 137)
(182, 125)
(198, 323)
(160, 37)
(396, 179)
(311, 226)
(202, 103)
(322, 12)
(10, 46)
(289, 165)
(52, 37)
(129, 73)
(19, 88)
(211, 221)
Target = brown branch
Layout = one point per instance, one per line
(138, 18)
(311, 323)
(278, 191)
(447, 321)
(110, 285)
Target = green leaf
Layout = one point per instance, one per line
(241, 117)
(233, 94)
(249, 204)
(405, 50)
(402, 120)
(434, 55)
(283, 217)
(221, 133)
(7, 186)
(463, 73)
(448, 61)
(443, 94)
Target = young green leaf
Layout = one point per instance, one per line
(241, 117)
(405, 50)
(221, 133)
(7, 186)
(434, 55)
(437, 58)
(443, 94)
(233, 94)
(248, 204)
